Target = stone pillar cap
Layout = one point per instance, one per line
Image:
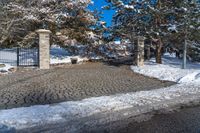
(43, 31)
(140, 37)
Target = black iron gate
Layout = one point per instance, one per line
(27, 57)
(20, 56)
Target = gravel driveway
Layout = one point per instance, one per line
(71, 82)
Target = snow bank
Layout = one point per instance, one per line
(193, 77)
(170, 70)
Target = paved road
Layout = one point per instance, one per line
(183, 121)
(75, 82)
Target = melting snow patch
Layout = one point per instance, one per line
(5, 68)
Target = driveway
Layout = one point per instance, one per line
(71, 82)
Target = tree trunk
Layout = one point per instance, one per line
(159, 45)
(149, 51)
(184, 55)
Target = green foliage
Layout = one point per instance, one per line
(68, 20)
(168, 21)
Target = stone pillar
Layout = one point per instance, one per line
(139, 51)
(44, 48)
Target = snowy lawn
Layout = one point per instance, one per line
(62, 56)
(170, 70)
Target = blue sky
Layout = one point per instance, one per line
(107, 14)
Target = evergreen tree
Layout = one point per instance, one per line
(156, 20)
(70, 21)
(185, 23)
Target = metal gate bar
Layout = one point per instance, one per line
(27, 57)
(20, 56)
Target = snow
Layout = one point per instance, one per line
(193, 77)
(5, 68)
(173, 28)
(67, 60)
(170, 70)
(129, 7)
(62, 56)
(117, 42)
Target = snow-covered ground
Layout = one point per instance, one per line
(170, 70)
(67, 60)
(5, 68)
(61, 56)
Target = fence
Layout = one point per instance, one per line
(20, 56)
(27, 57)
(8, 56)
